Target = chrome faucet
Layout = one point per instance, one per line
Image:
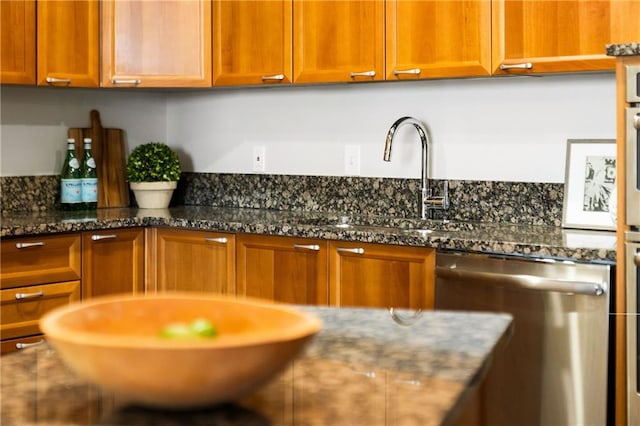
(428, 202)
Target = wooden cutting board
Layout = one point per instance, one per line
(107, 146)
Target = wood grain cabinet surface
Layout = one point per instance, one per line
(185, 260)
(18, 42)
(156, 43)
(560, 36)
(37, 274)
(112, 262)
(68, 34)
(437, 38)
(284, 269)
(381, 276)
(252, 42)
(338, 41)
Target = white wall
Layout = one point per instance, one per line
(511, 129)
(34, 123)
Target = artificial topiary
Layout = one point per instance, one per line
(153, 162)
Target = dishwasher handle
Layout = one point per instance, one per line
(522, 281)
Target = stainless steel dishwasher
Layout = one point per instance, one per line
(554, 369)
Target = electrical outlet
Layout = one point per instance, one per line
(259, 158)
(352, 160)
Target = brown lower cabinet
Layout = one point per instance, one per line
(284, 269)
(381, 275)
(185, 260)
(112, 262)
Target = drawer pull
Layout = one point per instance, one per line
(314, 247)
(27, 245)
(221, 240)
(363, 74)
(415, 71)
(358, 250)
(53, 80)
(273, 77)
(524, 66)
(126, 81)
(22, 296)
(103, 237)
(28, 345)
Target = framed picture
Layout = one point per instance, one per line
(590, 182)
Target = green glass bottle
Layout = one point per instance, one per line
(89, 177)
(70, 182)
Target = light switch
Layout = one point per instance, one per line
(352, 160)
(259, 158)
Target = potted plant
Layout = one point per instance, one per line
(153, 171)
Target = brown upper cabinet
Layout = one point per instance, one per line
(18, 42)
(338, 41)
(252, 42)
(437, 38)
(156, 43)
(560, 36)
(68, 43)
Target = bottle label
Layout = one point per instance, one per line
(74, 163)
(89, 190)
(70, 191)
(91, 162)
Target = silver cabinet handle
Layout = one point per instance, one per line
(28, 345)
(314, 247)
(411, 71)
(523, 66)
(22, 296)
(358, 250)
(126, 81)
(363, 74)
(636, 121)
(636, 258)
(27, 245)
(221, 240)
(103, 237)
(273, 77)
(53, 80)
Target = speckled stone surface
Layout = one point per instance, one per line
(478, 201)
(510, 239)
(362, 368)
(623, 49)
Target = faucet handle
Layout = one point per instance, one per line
(438, 202)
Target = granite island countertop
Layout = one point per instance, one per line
(362, 368)
(500, 238)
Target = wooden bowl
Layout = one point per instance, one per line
(114, 342)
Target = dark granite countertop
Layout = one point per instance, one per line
(520, 240)
(362, 368)
(623, 49)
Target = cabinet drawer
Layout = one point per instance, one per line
(39, 260)
(23, 307)
(12, 345)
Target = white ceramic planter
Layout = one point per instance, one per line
(153, 195)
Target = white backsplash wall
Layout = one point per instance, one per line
(506, 129)
(34, 122)
(503, 129)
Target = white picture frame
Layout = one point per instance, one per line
(589, 182)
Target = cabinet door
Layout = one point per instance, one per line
(194, 261)
(22, 307)
(156, 43)
(112, 262)
(68, 43)
(251, 42)
(541, 36)
(437, 38)
(337, 41)
(18, 42)
(382, 276)
(284, 269)
(40, 260)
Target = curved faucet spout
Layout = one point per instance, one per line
(427, 202)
